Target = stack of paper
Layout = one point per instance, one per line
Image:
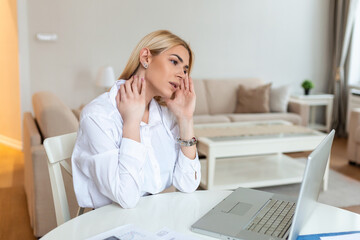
(132, 232)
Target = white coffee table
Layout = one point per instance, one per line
(253, 160)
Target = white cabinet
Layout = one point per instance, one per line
(313, 101)
(353, 102)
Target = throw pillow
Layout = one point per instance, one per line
(253, 100)
(279, 98)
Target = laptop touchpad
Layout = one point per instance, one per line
(240, 208)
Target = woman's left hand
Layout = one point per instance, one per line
(183, 104)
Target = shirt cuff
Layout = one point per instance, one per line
(188, 165)
(134, 153)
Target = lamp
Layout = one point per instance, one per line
(106, 77)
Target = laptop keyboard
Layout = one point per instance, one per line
(274, 219)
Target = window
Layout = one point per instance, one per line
(354, 67)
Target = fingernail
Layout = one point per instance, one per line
(142, 79)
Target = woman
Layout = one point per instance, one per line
(138, 138)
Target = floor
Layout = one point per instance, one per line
(14, 217)
(339, 163)
(14, 220)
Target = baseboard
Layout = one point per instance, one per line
(11, 142)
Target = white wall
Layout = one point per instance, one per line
(280, 41)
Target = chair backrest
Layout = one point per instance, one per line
(58, 149)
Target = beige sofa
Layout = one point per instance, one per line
(216, 103)
(216, 100)
(52, 118)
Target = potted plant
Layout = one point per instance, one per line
(307, 85)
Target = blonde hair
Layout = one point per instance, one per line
(157, 42)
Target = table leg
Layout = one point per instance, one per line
(312, 115)
(210, 171)
(329, 109)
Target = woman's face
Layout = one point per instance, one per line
(166, 71)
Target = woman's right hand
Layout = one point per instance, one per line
(131, 101)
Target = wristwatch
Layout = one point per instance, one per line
(187, 143)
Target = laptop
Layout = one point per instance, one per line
(252, 214)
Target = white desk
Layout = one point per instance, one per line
(178, 211)
(312, 101)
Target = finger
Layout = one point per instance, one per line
(136, 79)
(122, 92)
(186, 83)
(129, 82)
(143, 86)
(139, 84)
(132, 82)
(127, 87)
(118, 97)
(134, 86)
(182, 84)
(191, 84)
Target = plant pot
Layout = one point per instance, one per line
(307, 91)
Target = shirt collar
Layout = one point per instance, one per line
(154, 113)
(154, 108)
(113, 92)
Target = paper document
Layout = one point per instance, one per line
(167, 234)
(350, 236)
(132, 232)
(126, 232)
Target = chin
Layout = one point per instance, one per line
(168, 94)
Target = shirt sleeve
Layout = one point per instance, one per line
(187, 172)
(113, 163)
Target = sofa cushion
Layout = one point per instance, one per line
(279, 98)
(243, 117)
(222, 93)
(253, 100)
(201, 102)
(53, 116)
(198, 119)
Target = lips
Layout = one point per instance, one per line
(175, 85)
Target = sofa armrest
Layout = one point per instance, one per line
(300, 109)
(31, 137)
(31, 131)
(36, 179)
(44, 210)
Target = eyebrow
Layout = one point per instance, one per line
(180, 59)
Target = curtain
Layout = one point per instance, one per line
(343, 12)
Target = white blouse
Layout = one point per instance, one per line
(109, 168)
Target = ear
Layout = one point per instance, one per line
(145, 56)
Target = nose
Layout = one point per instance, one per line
(181, 74)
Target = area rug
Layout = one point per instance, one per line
(342, 191)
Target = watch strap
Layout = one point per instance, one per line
(187, 143)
